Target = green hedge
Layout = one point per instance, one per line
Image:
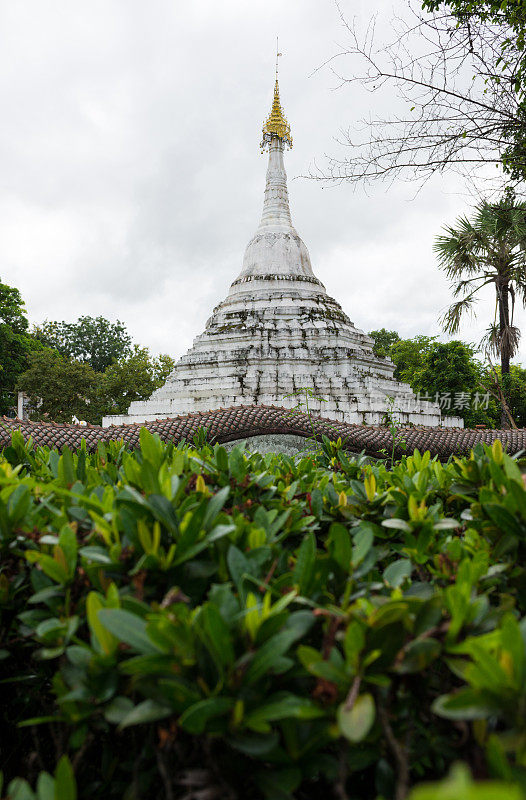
(183, 622)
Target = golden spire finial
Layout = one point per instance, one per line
(276, 124)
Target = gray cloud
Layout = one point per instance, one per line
(131, 176)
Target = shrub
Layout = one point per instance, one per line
(183, 622)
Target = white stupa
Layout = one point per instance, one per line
(279, 332)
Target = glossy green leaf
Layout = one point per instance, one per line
(282, 706)
(19, 789)
(65, 784)
(128, 628)
(45, 787)
(459, 785)
(466, 704)
(355, 724)
(147, 711)
(49, 565)
(304, 566)
(195, 718)
(363, 541)
(340, 545)
(397, 572)
(106, 641)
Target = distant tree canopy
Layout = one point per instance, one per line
(515, 388)
(60, 388)
(135, 377)
(449, 367)
(450, 370)
(496, 12)
(12, 309)
(92, 340)
(15, 344)
(84, 369)
(383, 341)
(410, 355)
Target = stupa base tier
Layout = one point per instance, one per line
(365, 410)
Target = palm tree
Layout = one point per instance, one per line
(490, 249)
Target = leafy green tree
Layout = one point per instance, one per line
(499, 13)
(93, 340)
(383, 341)
(409, 356)
(511, 13)
(447, 370)
(488, 251)
(59, 388)
(450, 370)
(515, 389)
(135, 377)
(12, 309)
(15, 344)
(449, 367)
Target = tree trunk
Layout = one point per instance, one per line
(504, 322)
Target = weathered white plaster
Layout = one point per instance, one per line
(278, 332)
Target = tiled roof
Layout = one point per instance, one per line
(241, 422)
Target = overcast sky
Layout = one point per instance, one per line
(131, 178)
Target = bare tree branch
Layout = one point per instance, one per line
(465, 110)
